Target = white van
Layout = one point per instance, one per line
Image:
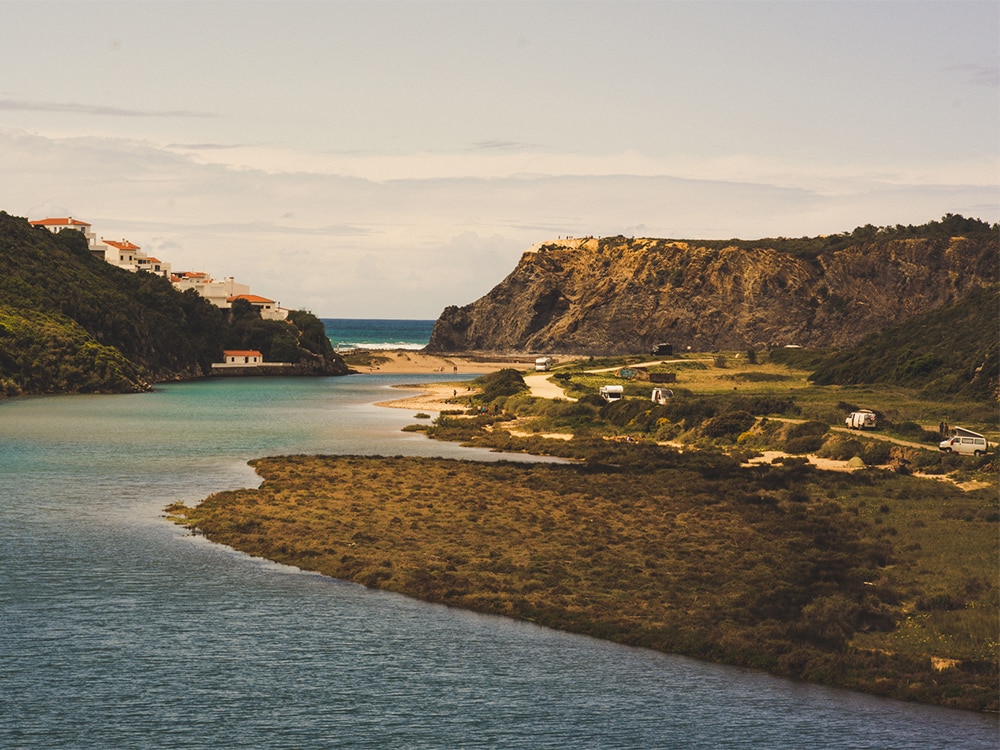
(612, 392)
(860, 419)
(966, 442)
(543, 364)
(661, 395)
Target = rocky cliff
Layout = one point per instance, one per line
(617, 295)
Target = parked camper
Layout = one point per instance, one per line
(661, 395)
(542, 364)
(859, 420)
(965, 442)
(612, 393)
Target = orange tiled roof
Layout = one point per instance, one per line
(242, 353)
(123, 245)
(69, 221)
(251, 298)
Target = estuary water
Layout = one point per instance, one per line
(121, 630)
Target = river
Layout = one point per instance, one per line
(120, 630)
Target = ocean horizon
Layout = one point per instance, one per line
(378, 333)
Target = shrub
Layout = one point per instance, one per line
(804, 444)
(505, 382)
(876, 452)
(841, 449)
(729, 425)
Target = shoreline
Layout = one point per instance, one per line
(534, 542)
(435, 396)
(397, 545)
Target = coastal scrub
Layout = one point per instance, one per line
(781, 568)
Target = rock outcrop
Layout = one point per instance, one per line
(617, 295)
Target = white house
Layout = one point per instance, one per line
(242, 357)
(267, 308)
(56, 225)
(234, 358)
(129, 256)
(216, 292)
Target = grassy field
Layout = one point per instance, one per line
(875, 580)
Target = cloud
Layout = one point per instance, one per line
(980, 75)
(201, 146)
(23, 105)
(502, 146)
(351, 246)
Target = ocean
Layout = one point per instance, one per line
(367, 333)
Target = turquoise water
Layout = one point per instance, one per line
(365, 333)
(120, 630)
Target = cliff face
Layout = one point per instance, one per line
(618, 295)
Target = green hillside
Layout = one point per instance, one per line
(71, 323)
(950, 351)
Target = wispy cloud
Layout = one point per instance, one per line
(980, 75)
(497, 145)
(24, 105)
(201, 146)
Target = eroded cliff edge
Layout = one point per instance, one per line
(618, 295)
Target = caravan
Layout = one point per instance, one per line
(859, 420)
(611, 393)
(660, 396)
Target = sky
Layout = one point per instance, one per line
(389, 159)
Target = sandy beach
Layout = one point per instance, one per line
(435, 396)
(403, 361)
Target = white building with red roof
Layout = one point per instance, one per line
(123, 254)
(128, 255)
(243, 357)
(236, 360)
(216, 292)
(268, 308)
(56, 225)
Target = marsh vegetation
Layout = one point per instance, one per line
(875, 580)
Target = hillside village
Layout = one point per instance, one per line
(129, 256)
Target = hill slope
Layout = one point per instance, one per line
(617, 295)
(951, 350)
(70, 322)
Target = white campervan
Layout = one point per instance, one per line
(660, 396)
(966, 442)
(612, 392)
(860, 419)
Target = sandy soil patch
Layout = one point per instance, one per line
(435, 397)
(549, 435)
(972, 484)
(827, 464)
(405, 361)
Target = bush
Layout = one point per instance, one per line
(807, 429)
(729, 425)
(876, 452)
(841, 449)
(804, 444)
(505, 382)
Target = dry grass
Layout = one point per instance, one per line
(798, 572)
